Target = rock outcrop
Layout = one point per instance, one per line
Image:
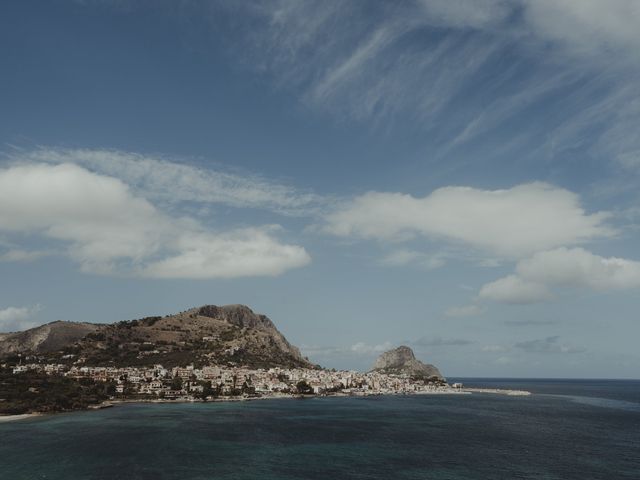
(401, 360)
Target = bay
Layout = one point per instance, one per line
(568, 429)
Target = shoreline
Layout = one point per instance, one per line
(21, 416)
(498, 391)
(116, 402)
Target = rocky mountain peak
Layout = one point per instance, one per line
(401, 360)
(238, 315)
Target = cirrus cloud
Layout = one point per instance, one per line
(393, 63)
(464, 311)
(159, 178)
(547, 345)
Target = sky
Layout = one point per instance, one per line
(459, 176)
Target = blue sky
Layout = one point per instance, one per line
(459, 176)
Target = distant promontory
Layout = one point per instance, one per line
(401, 361)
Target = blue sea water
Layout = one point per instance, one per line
(569, 429)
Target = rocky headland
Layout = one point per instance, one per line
(401, 360)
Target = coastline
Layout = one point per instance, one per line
(116, 402)
(498, 391)
(464, 391)
(22, 416)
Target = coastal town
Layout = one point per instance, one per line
(33, 384)
(214, 382)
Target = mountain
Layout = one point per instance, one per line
(401, 360)
(45, 338)
(224, 335)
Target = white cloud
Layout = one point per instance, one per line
(495, 349)
(358, 349)
(18, 318)
(562, 267)
(587, 26)
(464, 311)
(366, 349)
(97, 214)
(512, 222)
(577, 267)
(106, 228)
(240, 253)
(514, 290)
(20, 255)
(441, 342)
(504, 360)
(161, 179)
(465, 13)
(403, 257)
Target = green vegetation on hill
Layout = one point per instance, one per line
(232, 335)
(38, 392)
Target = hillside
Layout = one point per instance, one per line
(226, 335)
(45, 338)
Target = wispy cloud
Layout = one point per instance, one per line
(587, 27)
(441, 342)
(363, 348)
(396, 62)
(547, 345)
(464, 311)
(18, 318)
(529, 323)
(405, 257)
(21, 255)
(174, 180)
(495, 349)
(360, 352)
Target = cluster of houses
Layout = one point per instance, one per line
(214, 381)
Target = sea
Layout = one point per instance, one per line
(568, 429)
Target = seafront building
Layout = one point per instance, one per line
(214, 381)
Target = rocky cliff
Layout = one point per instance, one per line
(225, 335)
(401, 360)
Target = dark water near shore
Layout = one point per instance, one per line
(570, 429)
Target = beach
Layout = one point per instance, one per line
(13, 418)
